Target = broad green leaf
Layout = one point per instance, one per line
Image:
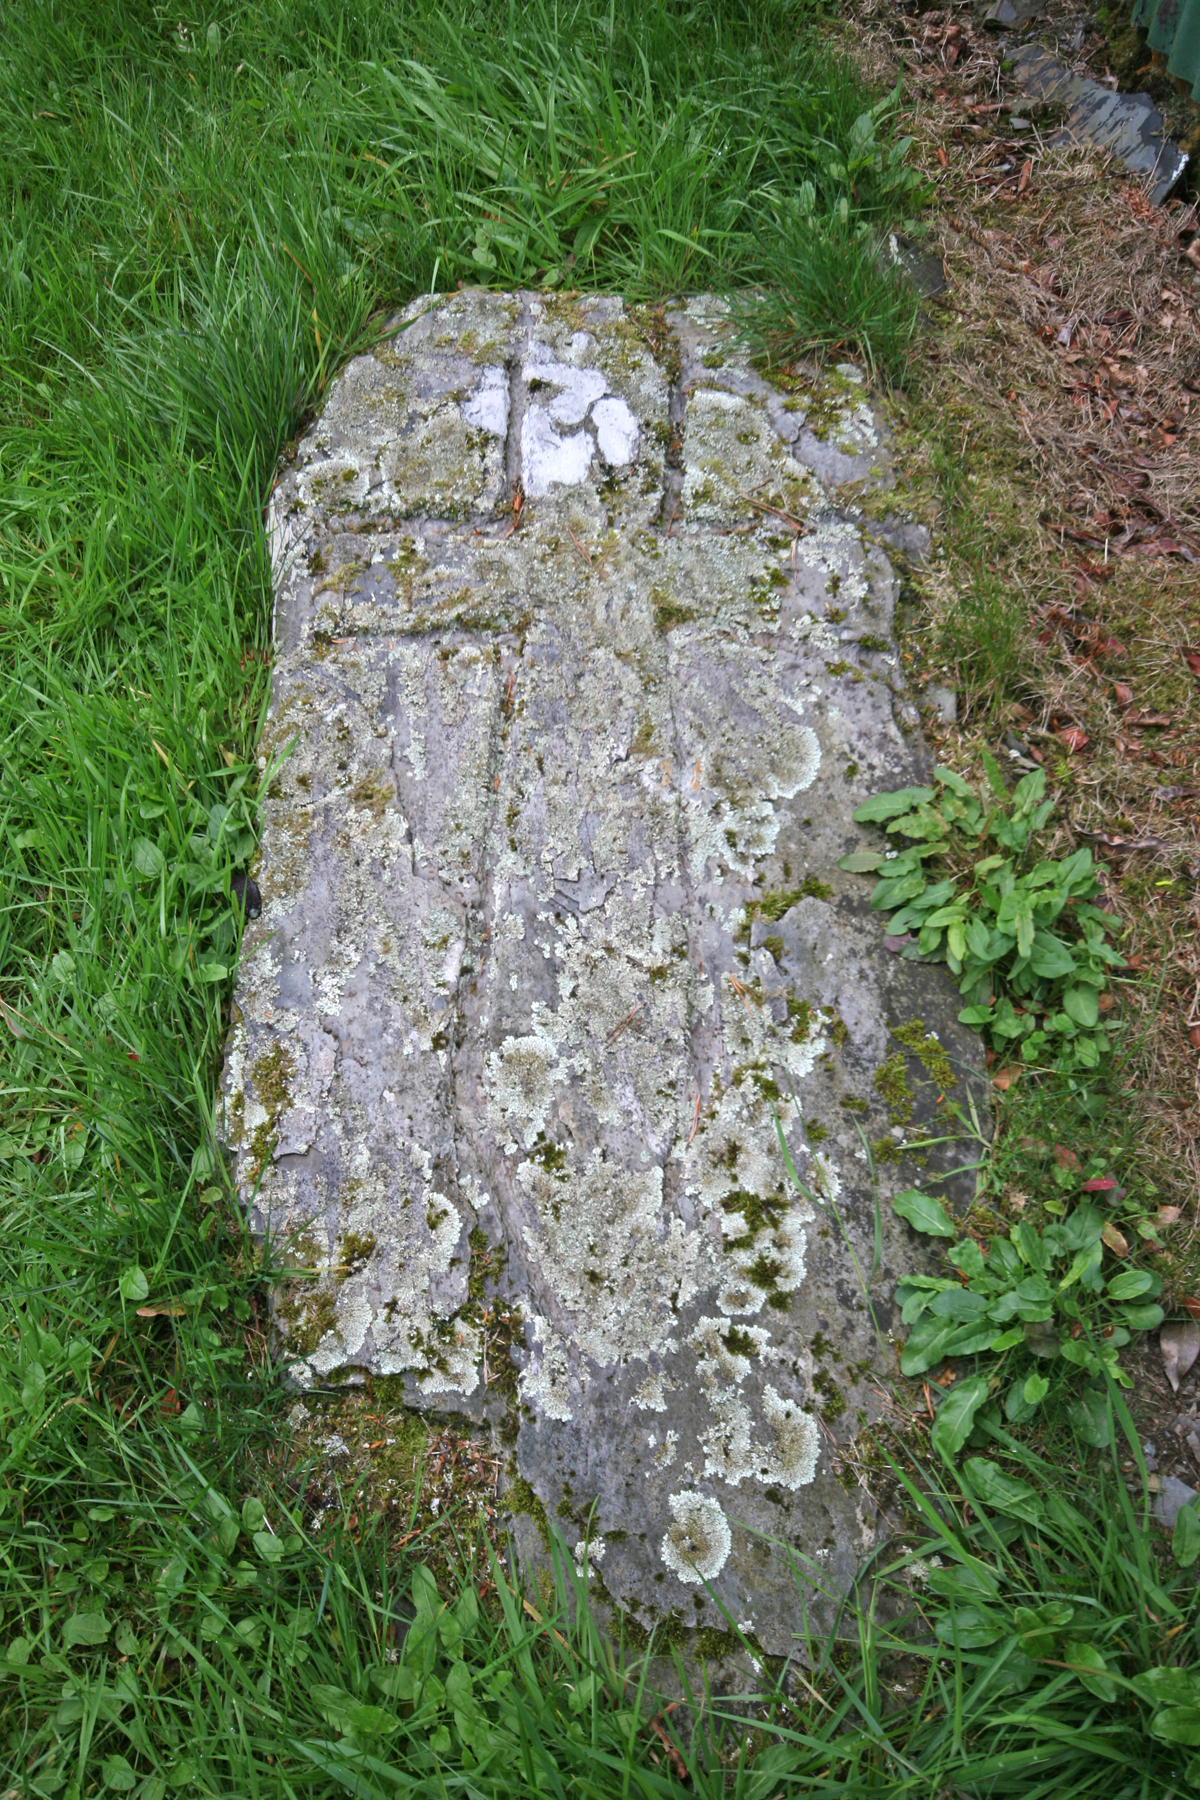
(890, 806)
(1130, 1284)
(968, 1257)
(269, 1547)
(991, 769)
(1177, 1724)
(915, 1292)
(1143, 1318)
(133, 1285)
(148, 859)
(1004, 1493)
(1035, 1389)
(860, 862)
(1167, 1685)
(956, 1416)
(253, 1515)
(1185, 1539)
(459, 1692)
(1039, 1626)
(923, 1213)
(1081, 1004)
(117, 1774)
(33, 1387)
(1051, 958)
(426, 1598)
(1018, 1410)
(396, 1681)
(333, 1703)
(959, 1303)
(1089, 1665)
(933, 1339)
(954, 782)
(191, 1420)
(888, 894)
(970, 1627)
(1089, 1417)
(88, 1628)
(365, 1720)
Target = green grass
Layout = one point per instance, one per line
(199, 221)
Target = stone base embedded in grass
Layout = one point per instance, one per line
(581, 674)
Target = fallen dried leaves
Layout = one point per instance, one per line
(1179, 1343)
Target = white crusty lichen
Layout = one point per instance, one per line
(791, 1462)
(697, 1543)
(589, 1554)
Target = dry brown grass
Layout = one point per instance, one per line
(1050, 434)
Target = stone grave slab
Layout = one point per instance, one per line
(584, 659)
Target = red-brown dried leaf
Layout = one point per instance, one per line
(1122, 694)
(1113, 1238)
(1072, 739)
(1192, 1305)
(1192, 659)
(1023, 178)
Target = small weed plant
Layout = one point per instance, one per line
(1020, 933)
(1031, 1297)
(1031, 953)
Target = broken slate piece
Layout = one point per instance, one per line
(924, 268)
(1171, 1499)
(1013, 15)
(1128, 125)
(554, 942)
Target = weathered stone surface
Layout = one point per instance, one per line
(552, 927)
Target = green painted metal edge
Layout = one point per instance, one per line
(1172, 27)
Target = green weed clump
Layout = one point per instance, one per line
(1022, 937)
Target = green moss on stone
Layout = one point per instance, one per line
(519, 1497)
(760, 1214)
(891, 1084)
(354, 1253)
(929, 1052)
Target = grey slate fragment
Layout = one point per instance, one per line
(1129, 125)
(553, 930)
(1171, 1499)
(1012, 15)
(924, 268)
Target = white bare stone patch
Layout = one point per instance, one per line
(554, 943)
